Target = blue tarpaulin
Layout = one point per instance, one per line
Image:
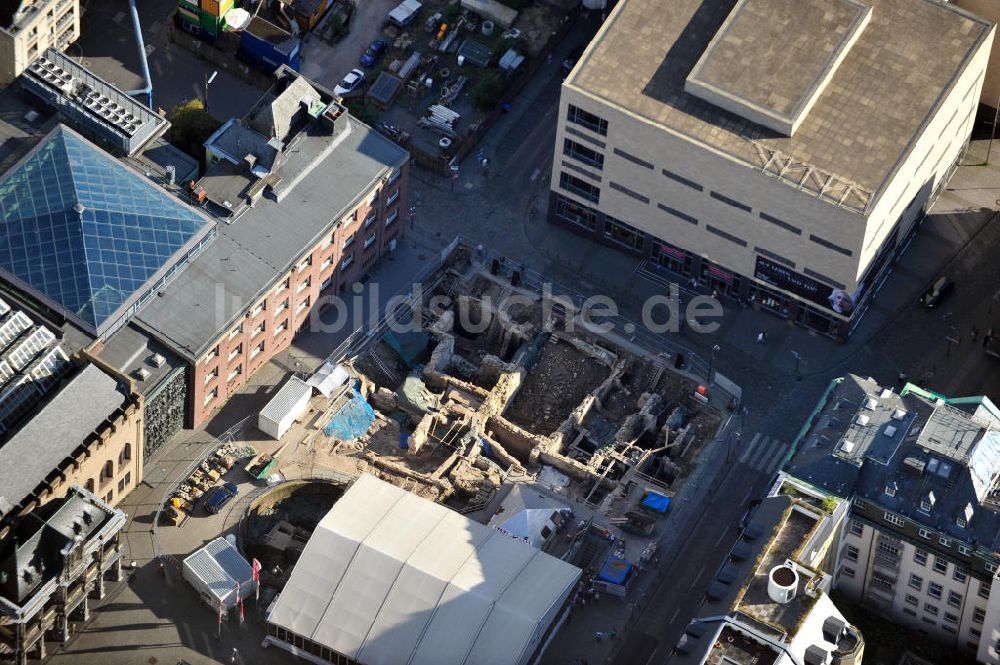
(352, 420)
(657, 502)
(615, 570)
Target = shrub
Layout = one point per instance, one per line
(486, 93)
(191, 125)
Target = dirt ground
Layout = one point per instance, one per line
(555, 387)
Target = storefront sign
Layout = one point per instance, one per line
(672, 251)
(717, 272)
(785, 278)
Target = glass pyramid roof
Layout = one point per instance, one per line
(84, 230)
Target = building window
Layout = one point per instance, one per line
(916, 582)
(984, 588)
(622, 233)
(237, 351)
(728, 236)
(990, 567)
(373, 199)
(628, 192)
(392, 217)
(829, 245)
(89, 486)
(369, 241)
(911, 599)
(370, 219)
(284, 285)
(682, 180)
(857, 528)
(780, 223)
(121, 486)
(258, 330)
(282, 327)
(890, 489)
(920, 556)
(582, 153)
(954, 599)
(236, 331)
(348, 242)
(348, 260)
(907, 610)
(392, 198)
(975, 632)
(128, 478)
(574, 213)
(257, 350)
(587, 120)
(258, 309)
(978, 615)
(393, 177)
(894, 519)
(110, 496)
(125, 455)
(860, 505)
(212, 394)
(327, 262)
(728, 201)
(934, 590)
(961, 523)
(940, 565)
(282, 307)
(924, 533)
(235, 372)
(327, 242)
(582, 189)
(302, 306)
(212, 355)
(964, 550)
(305, 284)
(883, 581)
(632, 158)
(211, 376)
(847, 572)
(851, 553)
(931, 609)
(304, 263)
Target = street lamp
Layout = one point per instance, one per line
(208, 79)
(711, 362)
(798, 359)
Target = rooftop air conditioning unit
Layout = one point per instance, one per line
(890, 431)
(898, 414)
(861, 420)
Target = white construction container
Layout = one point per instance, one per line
(287, 406)
(216, 571)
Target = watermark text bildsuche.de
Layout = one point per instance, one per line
(336, 312)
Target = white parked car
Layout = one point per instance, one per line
(352, 81)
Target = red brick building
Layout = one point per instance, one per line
(308, 200)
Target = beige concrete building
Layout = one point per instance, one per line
(791, 177)
(31, 26)
(989, 10)
(89, 433)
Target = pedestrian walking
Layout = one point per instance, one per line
(760, 337)
(597, 595)
(715, 294)
(598, 637)
(235, 658)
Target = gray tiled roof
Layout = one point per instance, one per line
(950, 448)
(56, 431)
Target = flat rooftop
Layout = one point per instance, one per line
(771, 59)
(852, 140)
(247, 255)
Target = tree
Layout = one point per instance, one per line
(486, 93)
(191, 126)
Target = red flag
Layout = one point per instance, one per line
(256, 578)
(241, 611)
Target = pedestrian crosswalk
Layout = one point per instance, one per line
(762, 453)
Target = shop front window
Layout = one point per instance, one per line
(623, 233)
(575, 213)
(671, 258)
